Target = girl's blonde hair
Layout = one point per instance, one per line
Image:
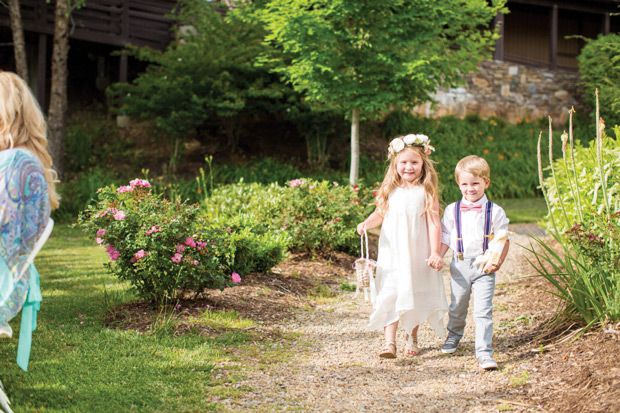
(427, 178)
(22, 125)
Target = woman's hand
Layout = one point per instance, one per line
(361, 227)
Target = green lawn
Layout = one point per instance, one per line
(77, 364)
(524, 210)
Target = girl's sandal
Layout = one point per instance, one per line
(412, 349)
(388, 351)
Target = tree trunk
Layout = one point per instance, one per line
(58, 93)
(19, 42)
(355, 146)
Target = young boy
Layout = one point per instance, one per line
(468, 226)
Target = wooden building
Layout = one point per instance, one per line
(97, 30)
(546, 33)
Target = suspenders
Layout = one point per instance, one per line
(459, 233)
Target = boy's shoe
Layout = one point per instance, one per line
(452, 342)
(487, 363)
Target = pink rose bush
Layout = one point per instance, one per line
(161, 247)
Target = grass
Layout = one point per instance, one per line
(78, 364)
(524, 210)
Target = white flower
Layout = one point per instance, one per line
(421, 139)
(397, 145)
(409, 139)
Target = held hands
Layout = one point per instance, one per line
(435, 261)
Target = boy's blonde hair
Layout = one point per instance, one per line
(474, 165)
(427, 178)
(22, 125)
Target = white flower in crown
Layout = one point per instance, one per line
(410, 139)
(397, 145)
(421, 139)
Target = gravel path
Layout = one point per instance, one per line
(335, 367)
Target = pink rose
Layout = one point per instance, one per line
(195, 262)
(140, 254)
(236, 278)
(140, 183)
(119, 216)
(176, 258)
(190, 242)
(100, 232)
(99, 241)
(180, 248)
(114, 254)
(294, 183)
(124, 189)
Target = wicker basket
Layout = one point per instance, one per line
(364, 266)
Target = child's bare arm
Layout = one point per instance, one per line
(374, 220)
(434, 231)
(495, 267)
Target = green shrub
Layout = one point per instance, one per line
(599, 65)
(164, 247)
(317, 216)
(575, 189)
(582, 194)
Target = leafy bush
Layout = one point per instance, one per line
(164, 247)
(575, 188)
(584, 217)
(599, 65)
(209, 75)
(318, 216)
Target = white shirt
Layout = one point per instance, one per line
(472, 226)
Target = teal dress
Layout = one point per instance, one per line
(24, 213)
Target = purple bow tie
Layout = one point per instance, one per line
(477, 208)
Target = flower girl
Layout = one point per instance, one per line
(409, 287)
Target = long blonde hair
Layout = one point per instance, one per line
(427, 178)
(22, 125)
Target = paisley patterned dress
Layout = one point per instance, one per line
(24, 213)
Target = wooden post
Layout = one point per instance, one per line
(498, 53)
(41, 74)
(606, 23)
(124, 39)
(553, 39)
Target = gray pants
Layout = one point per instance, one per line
(464, 281)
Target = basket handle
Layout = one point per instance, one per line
(364, 237)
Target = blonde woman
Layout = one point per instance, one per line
(27, 196)
(409, 287)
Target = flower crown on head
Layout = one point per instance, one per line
(398, 144)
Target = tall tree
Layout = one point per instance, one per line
(367, 56)
(19, 42)
(58, 91)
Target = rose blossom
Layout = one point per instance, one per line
(236, 278)
(176, 258)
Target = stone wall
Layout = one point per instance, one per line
(511, 91)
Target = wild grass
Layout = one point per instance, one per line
(78, 364)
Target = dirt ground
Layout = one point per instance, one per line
(336, 368)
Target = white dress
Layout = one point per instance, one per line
(407, 288)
